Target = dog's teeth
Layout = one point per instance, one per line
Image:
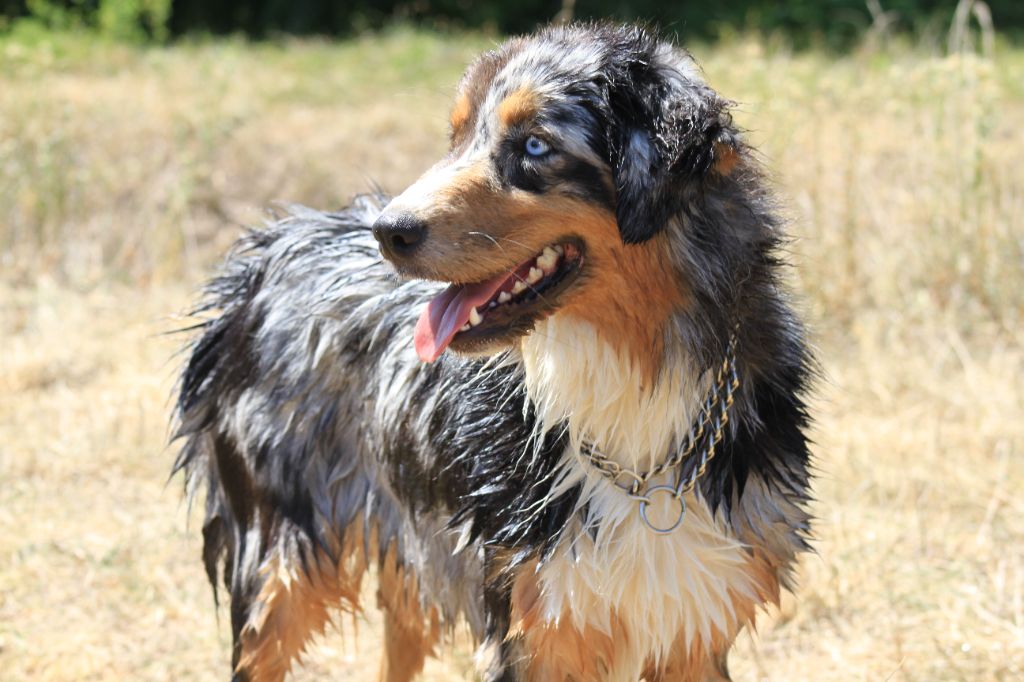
(465, 328)
(559, 249)
(504, 297)
(519, 287)
(475, 318)
(547, 260)
(535, 276)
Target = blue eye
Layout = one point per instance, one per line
(536, 146)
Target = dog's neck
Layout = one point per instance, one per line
(576, 377)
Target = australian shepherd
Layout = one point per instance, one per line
(553, 390)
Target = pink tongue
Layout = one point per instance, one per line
(448, 312)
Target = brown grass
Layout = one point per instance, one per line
(124, 173)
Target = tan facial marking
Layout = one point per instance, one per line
(518, 107)
(460, 114)
(478, 230)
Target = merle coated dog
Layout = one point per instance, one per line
(553, 390)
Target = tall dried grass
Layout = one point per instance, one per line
(124, 173)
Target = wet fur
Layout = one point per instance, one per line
(326, 448)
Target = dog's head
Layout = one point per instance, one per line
(571, 151)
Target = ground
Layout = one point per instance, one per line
(125, 173)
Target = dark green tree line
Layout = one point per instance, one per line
(836, 23)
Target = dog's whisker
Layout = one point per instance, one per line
(515, 242)
(486, 236)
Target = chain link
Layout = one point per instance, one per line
(714, 413)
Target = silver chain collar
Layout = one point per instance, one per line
(714, 413)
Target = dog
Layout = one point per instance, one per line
(555, 390)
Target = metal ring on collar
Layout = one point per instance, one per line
(649, 493)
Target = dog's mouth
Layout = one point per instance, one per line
(475, 316)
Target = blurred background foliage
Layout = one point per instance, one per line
(835, 24)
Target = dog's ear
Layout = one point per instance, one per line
(668, 131)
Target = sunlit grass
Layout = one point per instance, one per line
(125, 172)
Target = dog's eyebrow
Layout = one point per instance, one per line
(518, 107)
(460, 112)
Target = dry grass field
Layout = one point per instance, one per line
(125, 172)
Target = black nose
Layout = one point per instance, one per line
(399, 234)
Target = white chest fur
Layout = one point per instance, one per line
(663, 590)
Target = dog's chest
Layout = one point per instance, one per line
(650, 594)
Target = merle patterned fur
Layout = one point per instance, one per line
(304, 408)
